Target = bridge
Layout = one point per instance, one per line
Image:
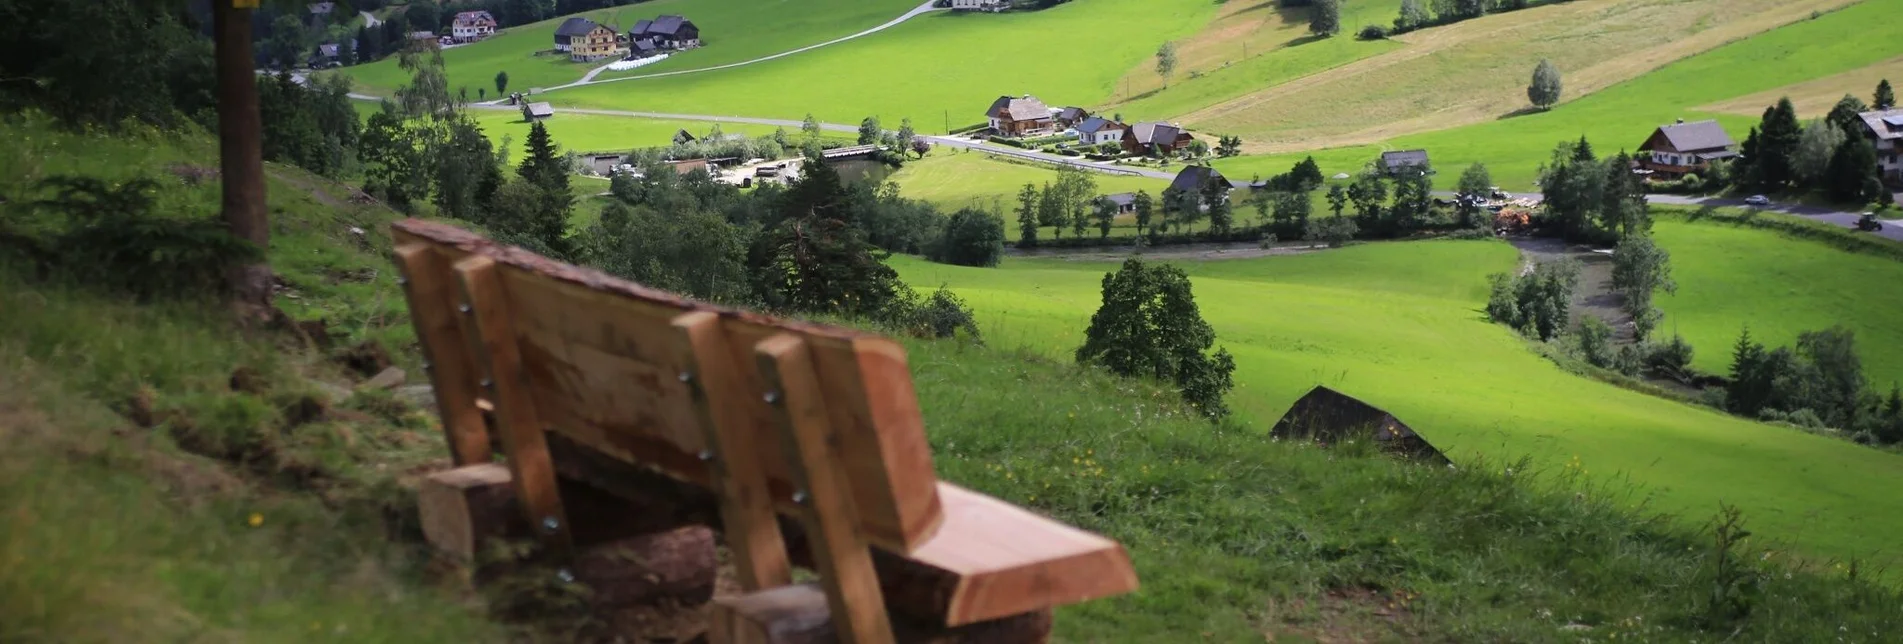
(851, 152)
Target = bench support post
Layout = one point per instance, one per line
(516, 417)
(739, 479)
(432, 299)
(843, 555)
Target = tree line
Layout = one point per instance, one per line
(1831, 155)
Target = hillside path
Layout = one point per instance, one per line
(948, 141)
(589, 79)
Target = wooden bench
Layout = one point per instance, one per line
(770, 418)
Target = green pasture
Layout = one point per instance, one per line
(1400, 325)
(596, 133)
(952, 179)
(934, 69)
(1622, 116)
(731, 31)
(1297, 58)
(1729, 276)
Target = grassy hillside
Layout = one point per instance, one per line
(933, 68)
(595, 133)
(731, 30)
(1622, 116)
(1729, 276)
(951, 180)
(1400, 325)
(1814, 98)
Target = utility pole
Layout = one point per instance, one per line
(241, 150)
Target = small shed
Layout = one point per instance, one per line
(539, 111)
(1328, 416)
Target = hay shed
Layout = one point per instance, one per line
(1328, 416)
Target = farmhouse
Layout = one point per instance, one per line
(572, 29)
(1396, 162)
(1071, 116)
(1163, 138)
(1191, 179)
(1098, 130)
(471, 26)
(600, 42)
(1676, 150)
(1885, 130)
(1019, 116)
(667, 32)
(979, 5)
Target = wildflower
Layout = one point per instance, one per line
(254, 520)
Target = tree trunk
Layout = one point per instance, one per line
(241, 152)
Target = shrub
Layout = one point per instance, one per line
(1595, 342)
(113, 236)
(942, 315)
(1372, 32)
(1539, 303)
(970, 237)
(1671, 359)
(1004, 141)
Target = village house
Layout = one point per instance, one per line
(572, 29)
(667, 32)
(1098, 130)
(1069, 117)
(1019, 116)
(1190, 180)
(979, 5)
(471, 26)
(1398, 162)
(320, 12)
(1126, 202)
(1885, 131)
(598, 43)
(1676, 150)
(1161, 138)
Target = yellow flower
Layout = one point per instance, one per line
(255, 520)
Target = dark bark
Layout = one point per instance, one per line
(241, 151)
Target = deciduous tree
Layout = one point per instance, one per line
(1166, 61)
(1145, 208)
(1845, 115)
(1027, 216)
(1815, 148)
(1325, 18)
(1885, 98)
(1545, 90)
(869, 130)
(1639, 269)
(502, 83)
(1149, 327)
(1853, 175)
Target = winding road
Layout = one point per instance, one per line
(1892, 229)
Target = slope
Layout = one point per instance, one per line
(1400, 325)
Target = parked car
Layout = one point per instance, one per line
(1758, 200)
(1498, 194)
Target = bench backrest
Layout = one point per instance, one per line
(607, 364)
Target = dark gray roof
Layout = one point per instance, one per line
(322, 8)
(668, 25)
(467, 17)
(1097, 123)
(574, 27)
(1122, 199)
(1403, 158)
(328, 50)
(640, 28)
(1696, 136)
(645, 44)
(1191, 178)
(541, 109)
(993, 110)
(1072, 113)
(1152, 132)
(1885, 125)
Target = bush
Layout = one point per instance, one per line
(1595, 342)
(113, 236)
(1149, 327)
(941, 316)
(1004, 141)
(1670, 359)
(970, 237)
(1372, 32)
(1539, 303)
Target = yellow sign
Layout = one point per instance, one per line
(244, 4)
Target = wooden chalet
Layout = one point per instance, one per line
(1156, 137)
(1674, 151)
(1019, 116)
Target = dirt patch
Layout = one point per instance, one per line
(1346, 614)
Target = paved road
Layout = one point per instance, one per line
(1892, 229)
(589, 79)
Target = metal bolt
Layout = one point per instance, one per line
(686, 377)
(566, 576)
(706, 455)
(550, 524)
(488, 384)
(799, 497)
(771, 398)
(463, 308)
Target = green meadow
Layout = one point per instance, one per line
(731, 31)
(595, 133)
(952, 179)
(1729, 276)
(1621, 116)
(1400, 325)
(934, 69)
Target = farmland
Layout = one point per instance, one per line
(595, 133)
(1729, 276)
(1622, 115)
(951, 180)
(935, 69)
(733, 31)
(1400, 325)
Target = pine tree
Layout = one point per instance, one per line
(1778, 138)
(1582, 151)
(544, 169)
(1885, 97)
(1853, 176)
(1546, 86)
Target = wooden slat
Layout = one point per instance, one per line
(746, 504)
(517, 420)
(844, 557)
(433, 298)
